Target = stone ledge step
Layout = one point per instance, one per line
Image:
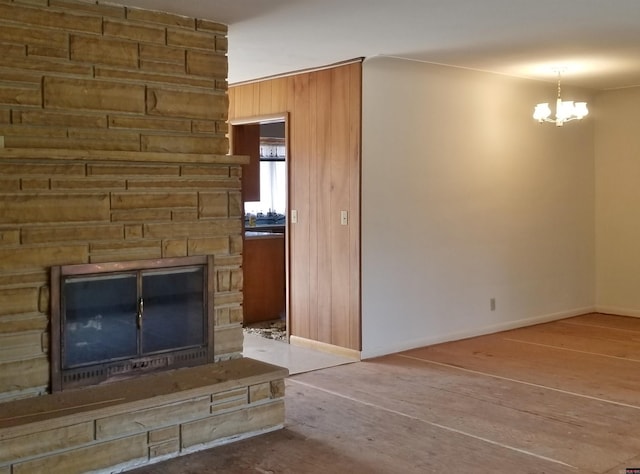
(60, 409)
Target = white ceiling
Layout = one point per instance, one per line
(597, 41)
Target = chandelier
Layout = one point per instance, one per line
(566, 110)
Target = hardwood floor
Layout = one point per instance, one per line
(561, 397)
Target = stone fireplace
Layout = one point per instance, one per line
(115, 320)
(114, 125)
(91, 212)
(115, 150)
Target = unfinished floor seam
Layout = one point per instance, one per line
(559, 390)
(571, 350)
(599, 326)
(431, 423)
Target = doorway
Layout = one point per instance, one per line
(266, 247)
(265, 235)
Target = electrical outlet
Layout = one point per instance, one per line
(344, 217)
(492, 304)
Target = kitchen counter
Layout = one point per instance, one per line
(252, 235)
(275, 228)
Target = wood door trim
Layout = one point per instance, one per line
(259, 119)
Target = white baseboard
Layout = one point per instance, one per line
(635, 313)
(368, 353)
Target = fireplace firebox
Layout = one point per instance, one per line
(120, 319)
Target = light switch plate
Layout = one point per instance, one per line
(294, 216)
(344, 217)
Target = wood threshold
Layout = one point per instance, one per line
(324, 347)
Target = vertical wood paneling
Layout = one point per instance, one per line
(355, 168)
(266, 98)
(315, 315)
(300, 166)
(323, 195)
(256, 99)
(339, 169)
(245, 101)
(324, 163)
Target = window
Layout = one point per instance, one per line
(273, 189)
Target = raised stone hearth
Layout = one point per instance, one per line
(117, 426)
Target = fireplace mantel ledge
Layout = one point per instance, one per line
(120, 156)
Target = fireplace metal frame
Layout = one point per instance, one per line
(62, 379)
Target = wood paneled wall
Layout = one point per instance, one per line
(324, 110)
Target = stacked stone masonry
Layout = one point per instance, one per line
(81, 75)
(114, 125)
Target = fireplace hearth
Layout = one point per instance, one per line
(116, 320)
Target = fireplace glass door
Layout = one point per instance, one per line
(100, 319)
(117, 319)
(171, 309)
(108, 318)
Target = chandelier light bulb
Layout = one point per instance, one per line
(542, 112)
(580, 109)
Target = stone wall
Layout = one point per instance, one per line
(114, 123)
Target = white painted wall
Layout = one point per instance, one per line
(465, 198)
(617, 155)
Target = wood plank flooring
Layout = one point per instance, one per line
(561, 397)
